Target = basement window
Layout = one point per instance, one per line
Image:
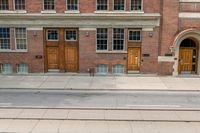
(101, 69)
(118, 69)
(22, 68)
(6, 68)
(4, 5)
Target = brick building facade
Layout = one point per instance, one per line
(111, 36)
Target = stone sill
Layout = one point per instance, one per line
(113, 12)
(16, 11)
(111, 52)
(48, 12)
(13, 51)
(68, 12)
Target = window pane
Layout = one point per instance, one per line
(102, 38)
(102, 4)
(118, 39)
(102, 69)
(72, 4)
(4, 38)
(136, 5)
(134, 35)
(118, 69)
(3, 4)
(22, 68)
(20, 34)
(6, 69)
(119, 4)
(52, 35)
(48, 4)
(71, 35)
(19, 4)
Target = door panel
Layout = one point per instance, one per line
(71, 59)
(52, 57)
(185, 63)
(133, 59)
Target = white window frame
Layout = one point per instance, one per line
(133, 31)
(18, 9)
(9, 39)
(113, 40)
(45, 10)
(119, 10)
(103, 10)
(76, 35)
(102, 73)
(107, 40)
(3, 72)
(137, 10)
(114, 68)
(48, 38)
(22, 72)
(16, 40)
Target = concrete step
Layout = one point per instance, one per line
(100, 115)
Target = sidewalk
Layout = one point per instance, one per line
(80, 82)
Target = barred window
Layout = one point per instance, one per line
(102, 5)
(118, 69)
(6, 68)
(22, 68)
(70, 35)
(102, 69)
(72, 4)
(4, 38)
(21, 41)
(3, 4)
(49, 5)
(136, 5)
(119, 4)
(118, 39)
(19, 4)
(52, 35)
(102, 39)
(134, 35)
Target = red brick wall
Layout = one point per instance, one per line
(87, 6)
(35, 47)
(34, 6)
(151, 7)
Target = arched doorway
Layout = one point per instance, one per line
(188, 56)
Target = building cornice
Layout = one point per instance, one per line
(149, 20)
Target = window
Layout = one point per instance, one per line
(19, 4)
(102, 5)
(6, 68)
(119, 4)
(136, 5)
(52, 35)
(118, 69)
(118, 39)
(134, 35)
(102, 39)
(49, 5)
(20, 34)
(3, 4)
(70, 35)
(102, 69)
(22, 68)
(4, 38)
(72, 4)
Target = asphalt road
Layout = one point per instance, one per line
(99, 99)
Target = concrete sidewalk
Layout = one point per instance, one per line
(100, 82)
(101, 115)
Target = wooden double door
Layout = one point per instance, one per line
(134, 57)
(61, 54)
(188, 60)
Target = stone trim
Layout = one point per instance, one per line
(189, 15)
(190, 1)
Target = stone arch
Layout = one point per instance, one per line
(186, 34)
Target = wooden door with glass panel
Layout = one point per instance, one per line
(134, 59)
